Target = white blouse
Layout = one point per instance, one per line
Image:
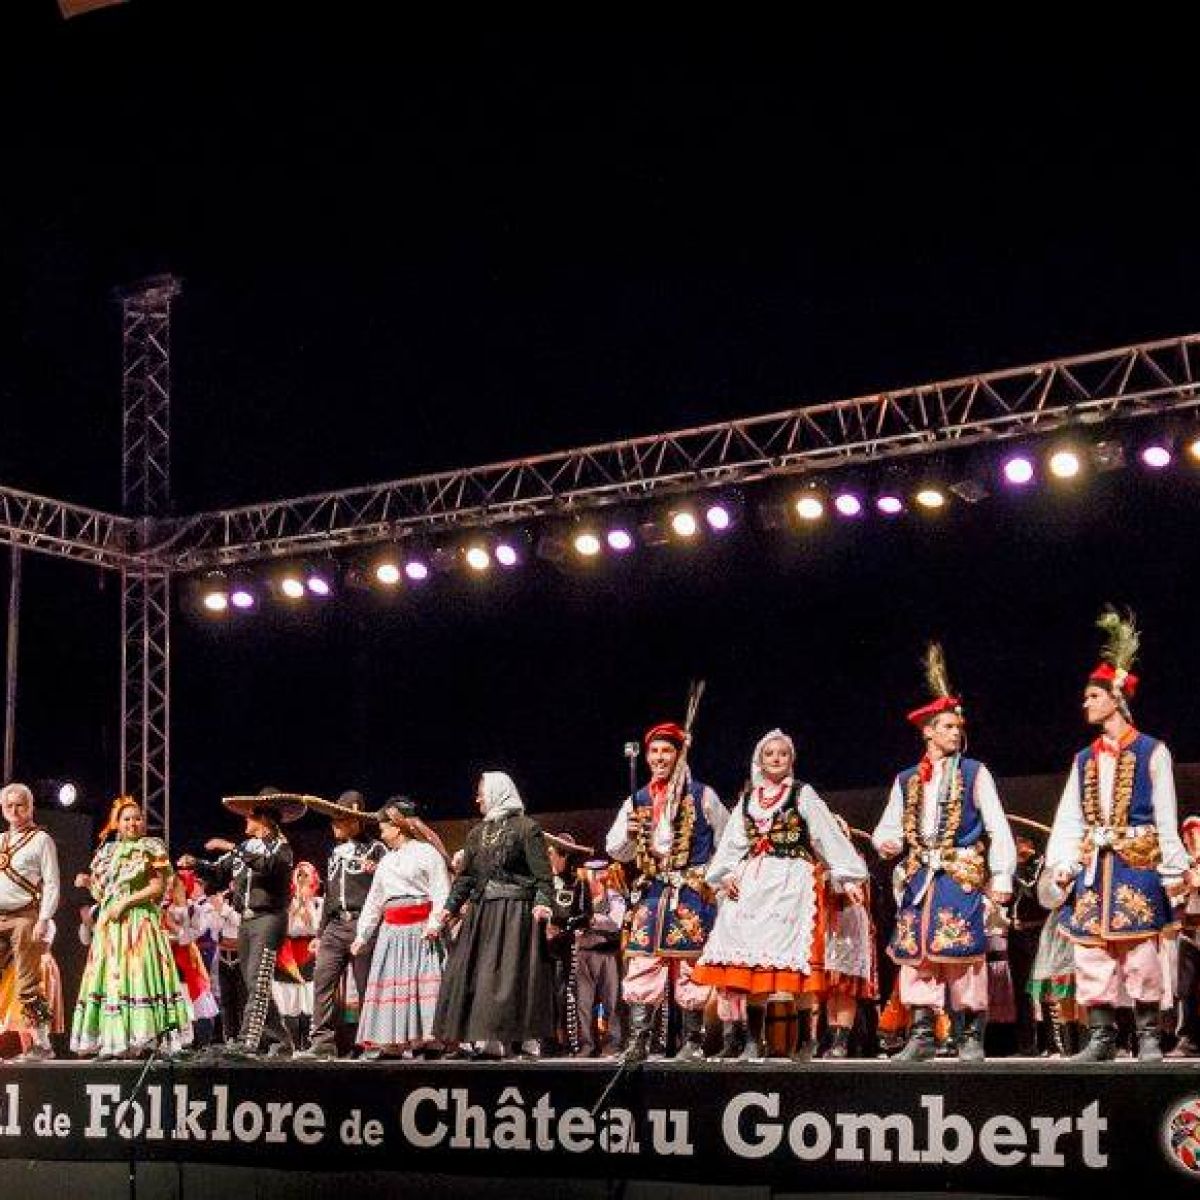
(414, 871)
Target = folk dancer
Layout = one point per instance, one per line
(944, 812)
(258, 873)
(29, 891)
(352, 864)
(1115, 856)
(669, 830)
(769, 936)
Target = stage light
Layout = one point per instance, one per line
(970, 490)
(241, 597)
(809, 508)
(620, 540)
(68, 793)
(719, 518)
(931, 498)
(416, 570)
(1108, 455)
(1156, 456)
(889, 505)
(292, 586)
(388, 573)
(1018, 470)
(506, 555)
(1194, 449)
(684, 524)
(848, 505)
(478, 559)
(1064, 464)
(214, 592)
(586, 544)
(318, 583)
(652, 533)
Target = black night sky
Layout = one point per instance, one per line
(406, 250)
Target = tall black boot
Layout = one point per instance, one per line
(921, 1045)
(756, 1017)
(1149, 1030)
(970, 1045)
(641, 1029)
(1102, 1042)
(692, 1030)
(839, 1042)
(735, 1039)
(802, 1048)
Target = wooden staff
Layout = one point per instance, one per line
(1030, 823)
(679, 774)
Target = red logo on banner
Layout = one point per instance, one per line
(1181, 1135)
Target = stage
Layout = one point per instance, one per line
(1014, 1127)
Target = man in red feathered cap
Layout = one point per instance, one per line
(945, 813)
(670, 830)
(1115, 856)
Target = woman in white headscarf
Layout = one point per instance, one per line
(498, 985)
(769, 872)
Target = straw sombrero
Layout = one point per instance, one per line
(568, 845)
(349, 806)
(288, 806)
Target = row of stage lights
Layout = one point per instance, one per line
(589, 541)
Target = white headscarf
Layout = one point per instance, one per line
(757, 778)
(500, 796)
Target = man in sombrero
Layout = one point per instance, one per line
(258, 873)
(567, 914)
(351, 868)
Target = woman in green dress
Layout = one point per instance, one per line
(131, 999)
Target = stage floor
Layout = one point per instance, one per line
(1012, 1126)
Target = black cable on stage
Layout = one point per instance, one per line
(151, 1059)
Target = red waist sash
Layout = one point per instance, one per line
(407, 914)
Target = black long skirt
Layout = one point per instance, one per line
(498, 984)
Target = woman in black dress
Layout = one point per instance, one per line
(498, 985)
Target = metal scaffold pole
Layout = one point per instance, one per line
(146, 589)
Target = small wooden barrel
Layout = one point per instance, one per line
(779, 1028)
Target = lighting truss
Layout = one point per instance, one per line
(1135, 381)
(66, 530)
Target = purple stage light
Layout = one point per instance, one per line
(416, 570)
(619, 540)
(1156, 456)
(848, 505)
(506, 555)
(318, 585)
(718, 517)
(1018, 470)
(241, 598)
(890, 506)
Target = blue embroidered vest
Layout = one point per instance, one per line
(1124, 900)
(671, 913)
(940, 915)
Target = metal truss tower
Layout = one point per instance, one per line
(146, 586)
